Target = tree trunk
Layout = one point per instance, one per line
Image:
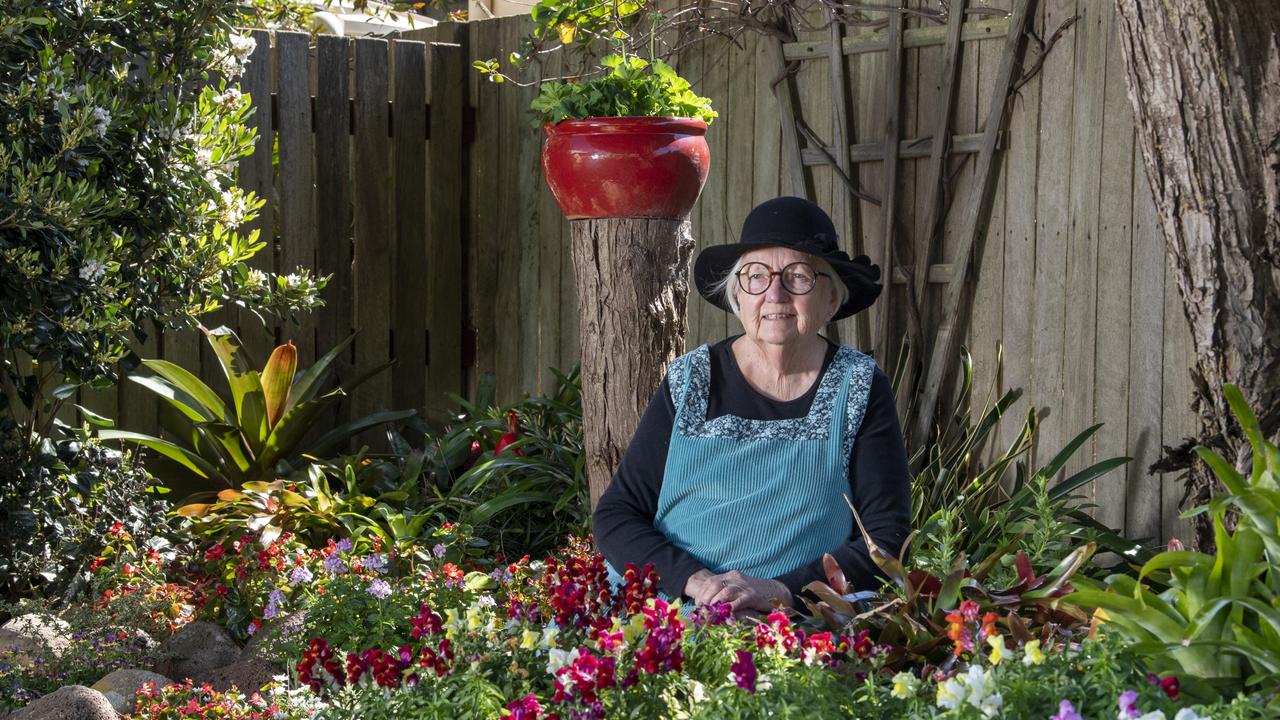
(1204, 80)
(633, 288)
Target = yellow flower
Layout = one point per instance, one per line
(1032, 654)
(634, 628)
(475, 619)
(904, 685)
(452, 623)
(997, 648)
(529, 639)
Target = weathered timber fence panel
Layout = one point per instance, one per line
(416, 184)
(360, 160)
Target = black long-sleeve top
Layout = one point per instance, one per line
(879, 482)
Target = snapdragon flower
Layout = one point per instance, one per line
(1066, 711)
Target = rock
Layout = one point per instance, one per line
(194, 651)
(37, 634)
(120, 687)
(273, 632)
(246, 674)
(73, 702)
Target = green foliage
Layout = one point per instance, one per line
(623, 85)
(56, 506)
(516, 475)
(120, 128)
(266, 430)
(631, 87)
(960, 506)
(467, 695)
(1219, 618)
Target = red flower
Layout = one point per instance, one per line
(214, 553)
(510, 436)
(117, 528)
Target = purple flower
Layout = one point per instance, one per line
(502, 575)
(718, 613)
(274, 599)
(743, 672)
(438, 550)
(1066, 711)
(380, 589)
(300, 574)
(376, 563)
(344, 545)
(334, 564)
(1129, 704)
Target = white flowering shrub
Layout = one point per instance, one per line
(120, 129)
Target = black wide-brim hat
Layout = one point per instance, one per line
(800, 225)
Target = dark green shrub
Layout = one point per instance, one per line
(58, 503)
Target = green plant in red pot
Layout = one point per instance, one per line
(625, 139)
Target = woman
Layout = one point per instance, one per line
(734, 484)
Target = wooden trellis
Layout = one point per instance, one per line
(940, 336)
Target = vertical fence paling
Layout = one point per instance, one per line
(409, 328)
(334, 321)
(445, 196)
(296, 176)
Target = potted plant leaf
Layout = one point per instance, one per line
(624, 138)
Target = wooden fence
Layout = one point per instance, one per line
(1071, 280)
(416, 183)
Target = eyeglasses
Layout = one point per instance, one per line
(798, 278)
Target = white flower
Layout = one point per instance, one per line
(990, 705)
(557, 658)
(101, 121)
(92, 270)
(230, 99)
(234, 208)
(241, 46)
(548, 638)
(257, 277)
(698, 693)
(1153, 715)
(1189, 714)
(951, 694)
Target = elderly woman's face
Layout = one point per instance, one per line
(778, 316)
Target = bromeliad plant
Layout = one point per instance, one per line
(273, 411)
(923, 617)
(1218, 616)
(960, 506)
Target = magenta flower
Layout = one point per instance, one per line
(718, 613)
(1066, 711)
(526, 708)
(743, 672)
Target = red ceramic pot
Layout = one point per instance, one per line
(650, 167)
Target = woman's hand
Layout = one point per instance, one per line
(742, 592)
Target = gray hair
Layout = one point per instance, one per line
(728, 284)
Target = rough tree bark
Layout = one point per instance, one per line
(632, 276)
(1204, 80)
